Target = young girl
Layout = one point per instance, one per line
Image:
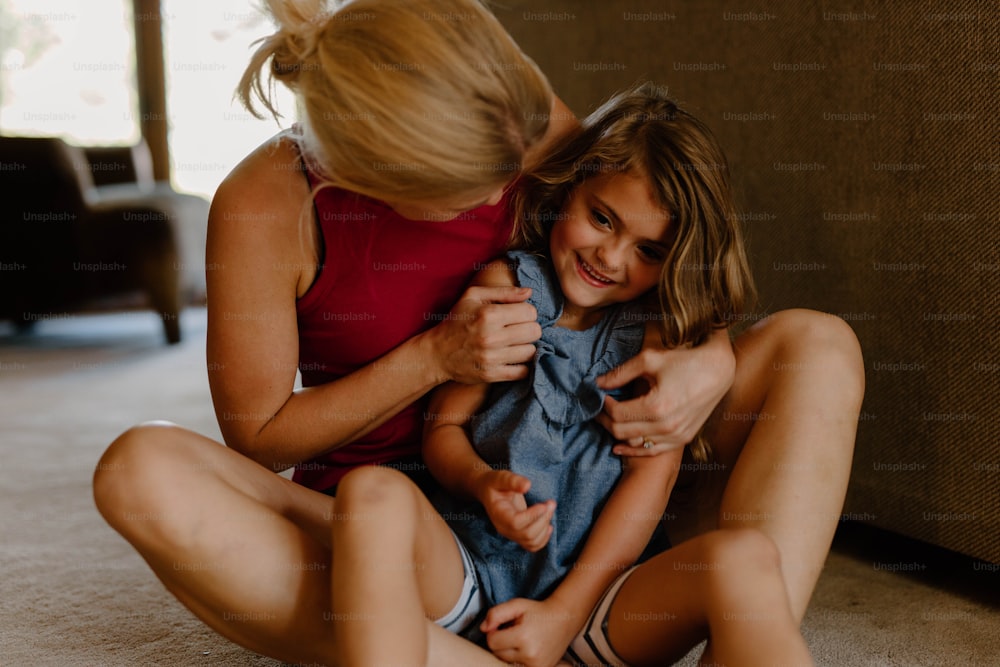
(619, 228)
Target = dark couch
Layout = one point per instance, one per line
(67, 243)
(863, 139)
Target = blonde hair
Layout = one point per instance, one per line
(705, 281)
(403, 99)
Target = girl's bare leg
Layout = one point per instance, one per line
(725, 586)
(784, 438)
(243, 548)
(397, 565)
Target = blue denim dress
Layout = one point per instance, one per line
(542, 427)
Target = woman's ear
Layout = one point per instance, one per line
(562, 123)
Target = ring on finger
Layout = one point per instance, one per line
(646, 443)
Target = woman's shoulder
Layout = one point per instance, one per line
(261, 211)
(267, 189)
(273, 168)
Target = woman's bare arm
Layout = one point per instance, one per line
(446, 449)
(685, 385)
(261, 257)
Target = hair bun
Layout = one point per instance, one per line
(296, 49)
(286, 53)
(288, 56)
(301, 26)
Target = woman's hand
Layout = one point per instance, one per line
(487, 336)
(501, 493)
(530, 633)
(685, 384)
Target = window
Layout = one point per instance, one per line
(68, 69)
(207, 46)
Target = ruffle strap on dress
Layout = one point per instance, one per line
(567, 391)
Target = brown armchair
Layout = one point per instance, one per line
(66, 242)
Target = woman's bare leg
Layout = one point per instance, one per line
(397, 564)
(725, 586)
(784, 438)
(245, 549)
(240, 546)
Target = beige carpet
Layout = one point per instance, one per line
(72, 592)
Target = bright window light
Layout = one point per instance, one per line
(207, 47)
(67, 69)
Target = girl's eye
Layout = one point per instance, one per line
(651, 253)
(600, 219)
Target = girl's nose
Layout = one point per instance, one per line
(611, 257)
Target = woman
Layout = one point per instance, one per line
(403, 102)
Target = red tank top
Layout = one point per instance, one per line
(383, 279)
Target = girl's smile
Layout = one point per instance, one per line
(592, 275)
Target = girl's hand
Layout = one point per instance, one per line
(685, 385)
(530, 633)
(487, 336)
(502, 494)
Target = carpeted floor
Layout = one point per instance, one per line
(74, 593)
